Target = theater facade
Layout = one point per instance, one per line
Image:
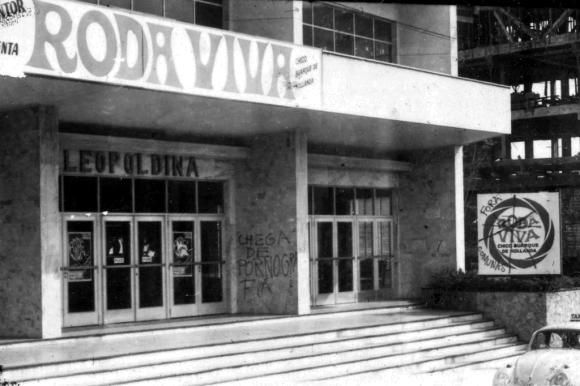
(170, 159)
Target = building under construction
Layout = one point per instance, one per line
(536, 52)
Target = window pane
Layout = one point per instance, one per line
(383, 31)
(344, 44)
(383, 52)
(307, 35)
(518, 150)
(211, 197)
(365, 237)
(364, 199)
(211, 241)
(116, 3)
(208, 15)
(366, 275)
(344, 20)
(181, 196)
(153, 7)
(345, 275)
(80, 194)
(116, 195)
(323, 16)
(324, 239)
(344, 237)
(542, 148)
(81, 286)
(364, 48)
(307, 12)
(149, 196)
(364, 26)
(344, 201)
(323, 39)
(323, 200)
(383, 202)
(181, 10)
(574, 146)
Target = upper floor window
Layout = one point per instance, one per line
(202, 12)
(348, 32)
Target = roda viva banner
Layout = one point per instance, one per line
(518, 233)
(75, 40)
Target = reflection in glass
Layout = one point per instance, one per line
(323, 39)
(210, 197)
(208, 15)
(325, 281)
(117, 234)
(150, 253)
(345, 275)
(183, 273)
(81, 286)
(364, 199)
(345, 201)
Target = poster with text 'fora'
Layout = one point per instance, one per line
(518, 234)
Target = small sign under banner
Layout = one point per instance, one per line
(519, 233)
(118, 260)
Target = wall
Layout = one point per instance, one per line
(426, 216)
(30, 229)
(427, 37)
(271, 235)
(272, 19)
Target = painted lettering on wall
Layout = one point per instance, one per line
(83, 41)
(138, 164)
(265, 258)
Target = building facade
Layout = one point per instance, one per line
(259, 157)
(535, 52)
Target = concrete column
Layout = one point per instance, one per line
(459, 211)
(271, 262)
(427, 219)
(30, 236)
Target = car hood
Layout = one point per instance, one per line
(538, 366)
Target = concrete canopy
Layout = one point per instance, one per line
(200, 116)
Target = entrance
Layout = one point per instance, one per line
(351, 244)
(147, 260)
(133, 262)
(196, 267)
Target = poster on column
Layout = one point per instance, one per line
(518, 234)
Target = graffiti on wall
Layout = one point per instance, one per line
(265, 258)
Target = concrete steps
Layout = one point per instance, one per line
(299, 349)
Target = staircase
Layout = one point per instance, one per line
(324, 347)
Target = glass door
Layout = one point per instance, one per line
(149, 270)
(118, 277)
(183, 294)
(80, 278)
(333, 262)
(196, 267)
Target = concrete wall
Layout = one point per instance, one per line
(426, 215)
(30, 235)
(271, 234)
(427, 37)
(272, 19)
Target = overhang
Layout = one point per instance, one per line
(115, 68)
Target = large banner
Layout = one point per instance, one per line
(75, 40)
(518, 233)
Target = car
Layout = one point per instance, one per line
(552, 359)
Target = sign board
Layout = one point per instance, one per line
(75, 40)
(518, 233)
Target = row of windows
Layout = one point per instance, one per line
(132, 195)
(347, 32)
(202, 12)
(324, 200)
(545, 148)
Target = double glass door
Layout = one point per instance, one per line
(333, 262)
(351, 259)
(134, 268)
(133, 264)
